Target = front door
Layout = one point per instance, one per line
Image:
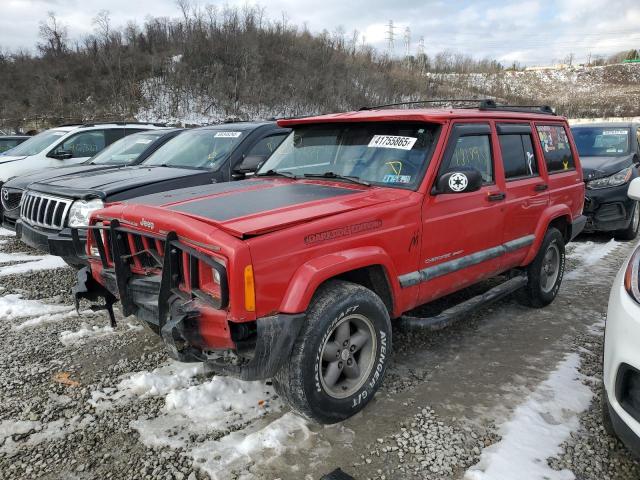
(462, 232)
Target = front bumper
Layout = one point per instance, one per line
(608, 209)
(58, 243)
(10, 218)
(622, 337)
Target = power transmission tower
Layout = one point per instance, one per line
(421, 46)
(407, 42)
(390, 38)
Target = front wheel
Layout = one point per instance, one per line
(340, 357)
(631, 232)
(545, 273)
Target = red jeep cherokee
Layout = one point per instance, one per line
(355, 220)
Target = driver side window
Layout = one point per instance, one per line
(85, 144)
(473, 151)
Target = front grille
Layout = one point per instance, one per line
(10, 198)
(186, 272)
(44, 210)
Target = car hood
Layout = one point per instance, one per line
(258, 206)
(108, 182)
(598, 167)
(10, 158)
(23, 181)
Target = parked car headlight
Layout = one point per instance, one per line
(615, 180)
(81, 210)
(631, 277)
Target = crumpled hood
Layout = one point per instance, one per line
(598, 167)
(258, 206)
(108, 182)
(23, 181)
(10, 158)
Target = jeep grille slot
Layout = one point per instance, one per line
(140, 252)
(44, 211)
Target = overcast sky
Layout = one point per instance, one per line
(531, 31)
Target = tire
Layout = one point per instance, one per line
(545, 274)
(631, 232)
(312, 382)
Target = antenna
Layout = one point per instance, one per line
(390, 37)
(407, 42)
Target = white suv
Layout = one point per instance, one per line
(64, 146)
(621, 405)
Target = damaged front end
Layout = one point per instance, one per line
(183, 296)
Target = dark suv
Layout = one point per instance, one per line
(200, 156)
(610, 154)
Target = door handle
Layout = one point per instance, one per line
(541, 187)
(496, 197)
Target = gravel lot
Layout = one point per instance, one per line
(82, 400)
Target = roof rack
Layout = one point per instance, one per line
(482, 104)
(118, 122)
(418, 102)
(541, 109)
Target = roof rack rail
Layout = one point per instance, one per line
(541, 109)
(115, 122)
(417, 102)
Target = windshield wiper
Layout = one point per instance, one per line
(349, 178)
(277, 173)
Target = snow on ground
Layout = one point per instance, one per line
(46, 262)
(589, 254)
(14, 306)
(236, 422)
(6, 233)
(537, 428)
(85, 332)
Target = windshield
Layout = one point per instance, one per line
(38, 143)
(202, 149)
(390, 154)
(126, 150)
(601, 141)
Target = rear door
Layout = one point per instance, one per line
(527, 191)
(462, 232)
(562, 165)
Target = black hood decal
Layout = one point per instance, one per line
(189, 193)
(261, 200)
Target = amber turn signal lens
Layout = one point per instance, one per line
(631, 280)
(249, 290)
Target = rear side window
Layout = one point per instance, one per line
(84, 144)
(518, 156)
(115, 134)
(472, 151)
(556, 148)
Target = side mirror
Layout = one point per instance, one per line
(460, 181)
(61, 155)
(250, 164)
(634, 189)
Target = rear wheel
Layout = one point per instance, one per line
(545, 272)
(340, 356)
(631, 232)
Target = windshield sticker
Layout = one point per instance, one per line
(397, 179)
(392, 141)
(227, 134)
(144, 141)
(614, 132)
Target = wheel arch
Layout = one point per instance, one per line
(558, 217)
(370, 267)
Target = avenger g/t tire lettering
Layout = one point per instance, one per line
(340, 357)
